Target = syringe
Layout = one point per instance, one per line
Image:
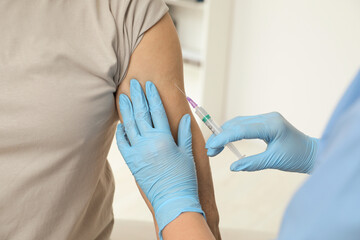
(210, 123)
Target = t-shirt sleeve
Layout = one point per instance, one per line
(133, 18)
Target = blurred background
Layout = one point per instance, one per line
(247, 57)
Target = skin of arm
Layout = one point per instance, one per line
(188, 225)
(158, 59)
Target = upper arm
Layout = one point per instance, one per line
(158, 59)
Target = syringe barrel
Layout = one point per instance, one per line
(206, 118)
(216, 129)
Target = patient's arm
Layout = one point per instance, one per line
(158, 59)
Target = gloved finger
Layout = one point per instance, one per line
(127, 113)
(184, 134)
(252, 163)
(269, 125)
(212, 152)
(242, 119)
(238, 129)
(210, 139)
(157, 110)
(141, 108)
(121, 139)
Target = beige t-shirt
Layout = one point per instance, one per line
(61, 62)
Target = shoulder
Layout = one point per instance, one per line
(343, 136)
(348, 100)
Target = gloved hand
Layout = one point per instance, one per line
(288, 149)
(164, 170)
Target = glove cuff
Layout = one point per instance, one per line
(171, 209)
(312, 149)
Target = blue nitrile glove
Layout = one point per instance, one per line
(164, 170)
(288, 149)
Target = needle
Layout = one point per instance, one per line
(180, 89)
(209, 122)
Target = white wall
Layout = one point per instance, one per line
(292, 56)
